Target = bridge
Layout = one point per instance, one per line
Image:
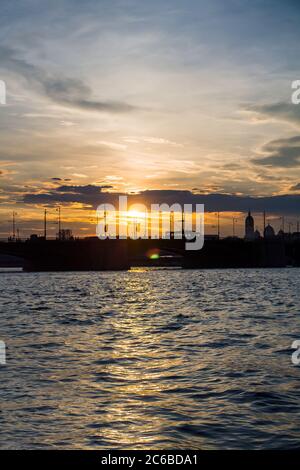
(89, 254)
(92, 254)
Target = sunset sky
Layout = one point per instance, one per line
(134, 96)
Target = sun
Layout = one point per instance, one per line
(135, 214)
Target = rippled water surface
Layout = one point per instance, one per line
(150, 359)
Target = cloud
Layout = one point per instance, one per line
(79, 175)
(4, 172)
(75, 93)
(280, 111)
(88, 189)
(161, 141)
(67, 123)
(93, 195)
(113, 145)
(281, 153)
(151, 140)
(296, 187)
(65, 91)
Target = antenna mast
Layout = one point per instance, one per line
(14, 225)
(59, 222)
(45, 224)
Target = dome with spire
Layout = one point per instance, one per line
(249, 227)
(249, 218)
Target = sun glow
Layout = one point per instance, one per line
(135, 214)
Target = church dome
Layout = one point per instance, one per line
(281, 234)
(269, 231)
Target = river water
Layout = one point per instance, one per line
(150, 359)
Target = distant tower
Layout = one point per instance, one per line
(281, 234)
(257, 235)
(249, 227)
(269, 232)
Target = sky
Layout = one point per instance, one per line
(181, 98)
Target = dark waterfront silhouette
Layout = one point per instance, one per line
(93, 254)
(67, 253)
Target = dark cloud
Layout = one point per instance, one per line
(75, 93)
(231, 166)
(90, 195)
(93, 196)
(282, 153)
(296, 187)
(65, 91)
(282, 111)
(87, 189)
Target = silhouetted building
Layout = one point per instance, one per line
(65, 234)
(249, 227)
(296, 236)
(257, 235)
(34, 237)
(269, 232)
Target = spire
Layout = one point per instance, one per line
(249, 227)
